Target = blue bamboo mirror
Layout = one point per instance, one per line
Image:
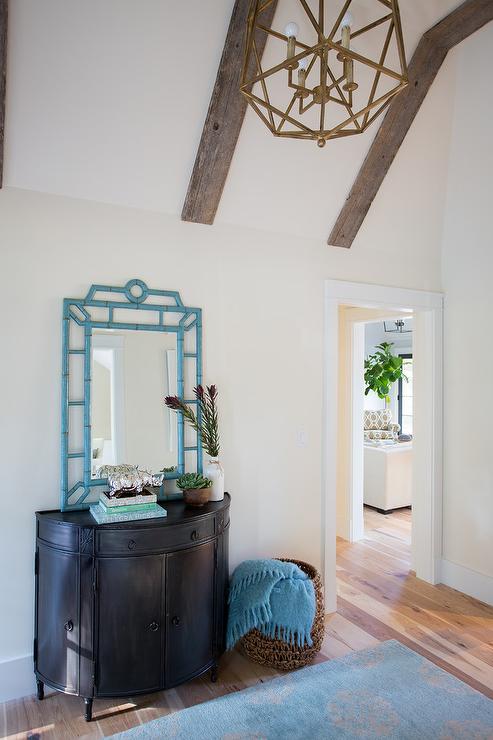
(124, 349)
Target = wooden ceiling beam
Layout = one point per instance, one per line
(425, 64)
(224, 119)
(4, 12)
(461, 23)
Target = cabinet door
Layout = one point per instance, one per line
(130, 629)
(190, 612)
(57, 628)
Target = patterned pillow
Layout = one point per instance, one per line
(379, 434)
(377, 419)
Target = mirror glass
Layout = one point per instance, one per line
(132, 372)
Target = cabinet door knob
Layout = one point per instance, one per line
(175, 621)
(154, 626)
(131, 544)
(195, 535)
(68, 626)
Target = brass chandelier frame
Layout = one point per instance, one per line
(335, 86)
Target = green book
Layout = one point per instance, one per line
(125, 509)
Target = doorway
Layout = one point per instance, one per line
(386, 435)
(343, 459)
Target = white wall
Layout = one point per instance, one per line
(262, 297)
(98, 109)
(467, 275)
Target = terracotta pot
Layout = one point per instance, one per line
(196, 496)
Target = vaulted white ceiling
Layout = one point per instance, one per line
(106, 101)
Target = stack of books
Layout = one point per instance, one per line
(142, 506)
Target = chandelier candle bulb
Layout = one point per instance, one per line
(346, 36)
(350, 85)
(291, 31)
(302, 66)
(347, 21)
(346, 24)
(346, 42)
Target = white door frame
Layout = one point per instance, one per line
(428, 443)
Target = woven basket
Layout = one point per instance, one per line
(279, 654)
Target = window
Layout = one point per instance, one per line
(405, 396)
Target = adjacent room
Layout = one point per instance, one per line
(388, 428)
(389, 383)
(247, 479)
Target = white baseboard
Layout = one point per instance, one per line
(468, 581)
(17, 678)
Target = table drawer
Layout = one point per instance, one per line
(124, 541)
(59, 534)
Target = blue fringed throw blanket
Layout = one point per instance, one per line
(274, 597)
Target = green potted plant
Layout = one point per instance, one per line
(195, 488)
(382, 370)
(205, 421)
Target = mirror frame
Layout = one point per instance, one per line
(82, 312)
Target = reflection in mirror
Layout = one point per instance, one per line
(132, 371)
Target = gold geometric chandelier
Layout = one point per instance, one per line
(329, 72)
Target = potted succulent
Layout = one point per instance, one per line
(206, 423)
(195, 488)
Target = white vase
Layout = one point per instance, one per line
(215, 472)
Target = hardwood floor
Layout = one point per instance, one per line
(379, 599)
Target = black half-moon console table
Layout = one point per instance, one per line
(129, 608)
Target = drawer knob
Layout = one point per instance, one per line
(68, 626)
(154, 626)
(175, 621)
(131, 544)
(195, 535)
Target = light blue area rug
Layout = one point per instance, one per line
(385, 692)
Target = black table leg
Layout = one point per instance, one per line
(214, 673)
(88, 710)
(40, 689)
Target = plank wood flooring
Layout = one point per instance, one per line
(379, 599)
